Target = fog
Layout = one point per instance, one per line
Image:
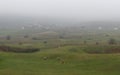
(84, 10)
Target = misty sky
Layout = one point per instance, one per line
(80, 9)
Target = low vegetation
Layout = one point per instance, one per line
(18, 50)
(79, 52)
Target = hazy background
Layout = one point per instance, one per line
(85, 10)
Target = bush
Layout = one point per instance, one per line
(112, 41)
(18, 50)
(73, 50)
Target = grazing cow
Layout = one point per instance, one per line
(62, 61)
(45, 58)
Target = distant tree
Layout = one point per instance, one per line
(8, 37)
(85, 42)
(45, 42)
(97, 43)
(83, 27)
(112, 41)
(73, 50)
(80, 37)
(26, 36)
(34, 38)
(20, 43)
(61, 37)
(107, 35)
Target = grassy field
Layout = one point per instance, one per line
(75, 63)
(68, 55)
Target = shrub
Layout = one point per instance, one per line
(18, 50)
(112, 41)
(73, 50)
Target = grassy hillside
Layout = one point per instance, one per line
(67, 51)
(60, 61)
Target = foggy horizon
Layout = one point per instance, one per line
(79, 10)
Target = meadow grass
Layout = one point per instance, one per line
(75, 63)
(71, 50)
